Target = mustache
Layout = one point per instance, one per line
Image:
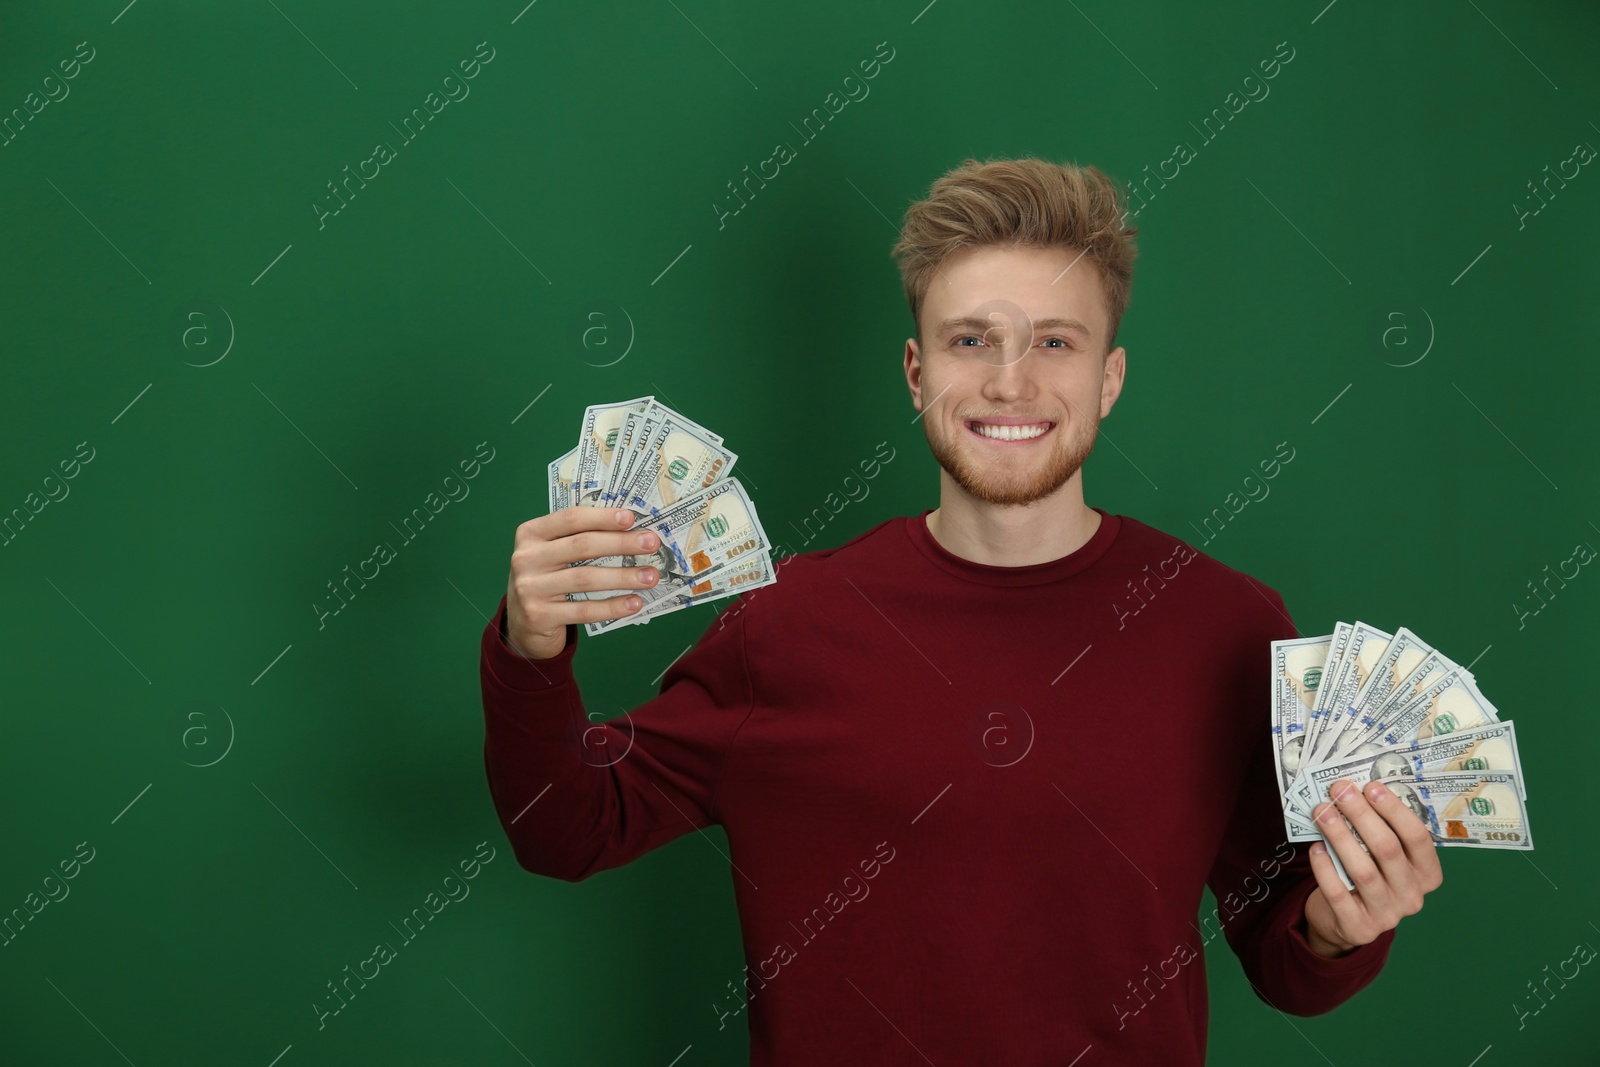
(1008, 415)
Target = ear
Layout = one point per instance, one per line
(1116, 368)
(913, 371)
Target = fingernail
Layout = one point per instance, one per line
(1319, 849)
(647, 575)
(1377, 792)
(623, 517)
(634, 602)
(647, 540)
(1327, 814)
(1344, 794)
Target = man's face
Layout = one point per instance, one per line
(1012, 378)
(1412, 801)
(1390, 765)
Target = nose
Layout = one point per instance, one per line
(1008, 378)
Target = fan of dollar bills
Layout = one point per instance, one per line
(1363, 705)
(672, 473)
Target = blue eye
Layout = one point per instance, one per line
(958, 342)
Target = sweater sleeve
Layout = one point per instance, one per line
(578, 796)
(1261, 880)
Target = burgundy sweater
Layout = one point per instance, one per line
(970, 809)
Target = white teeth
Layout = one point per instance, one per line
(1010, 433)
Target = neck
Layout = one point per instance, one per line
(1012, 535)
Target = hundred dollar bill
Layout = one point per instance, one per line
(1362, 654)
(704, 533)
(620, 456)
(647, 433)
(1293, 820)
(1296, 677)
(635, 427)
(1449, 703)
(658, 408)
(674, 461)
(1483, 809)
(695, 426)
(1337, 643)
(562, 471)
(1298, 827)
(597, 444)
(1401, 656)
(673, 474)
(1433, 667)
(1492, 747)
(750, 572)
(1375, 708)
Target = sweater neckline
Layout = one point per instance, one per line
(1053, 570)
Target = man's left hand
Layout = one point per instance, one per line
(1399, 866)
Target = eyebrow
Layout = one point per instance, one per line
(971, 322)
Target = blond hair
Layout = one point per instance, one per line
(1011, 202)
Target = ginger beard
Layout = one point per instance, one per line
(1021, 479)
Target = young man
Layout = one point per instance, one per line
(974, 766)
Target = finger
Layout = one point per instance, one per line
(571, 520)
(592, 544)
(588, 579)
(1361, 868)
(1421, 851)
(576, 612)
(1382, 843)
(1345, 906)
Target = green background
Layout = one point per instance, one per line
(579, 178)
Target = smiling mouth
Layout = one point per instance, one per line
(1009, 431)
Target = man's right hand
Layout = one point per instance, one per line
(537, 609)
